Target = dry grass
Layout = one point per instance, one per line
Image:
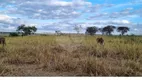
(71, 56)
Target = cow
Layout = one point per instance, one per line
(2, 41)
(100, 41)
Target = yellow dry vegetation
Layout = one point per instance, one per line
(71, 55)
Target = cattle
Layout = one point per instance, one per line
(2, 41)
(100, 41)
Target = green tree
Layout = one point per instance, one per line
(26, 30)
(91, 30)
(33, 29)
(108, 29)
(20, 28)
(123, 30)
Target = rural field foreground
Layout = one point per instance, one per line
(74, 55)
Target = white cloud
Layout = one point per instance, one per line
(120, 22)
(8, 23)
(4, 17)
(97, 7)
(136, 29)
(48, 9)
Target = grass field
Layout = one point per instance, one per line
(71, 56)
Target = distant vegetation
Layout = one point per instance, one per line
(26, 30)
(106, 30)
(91, 30)
(77, 29)
(123, 30)
(13, 34)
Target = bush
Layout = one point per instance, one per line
(14, 34)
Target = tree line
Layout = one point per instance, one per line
(24, 30)
(106, 30)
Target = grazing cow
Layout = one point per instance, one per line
(100, 41)
(2, 41)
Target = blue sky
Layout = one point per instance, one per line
(64, 15)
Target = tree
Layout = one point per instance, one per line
(101, 30)
(108, 29)
(34, 29)
(26, 30)
(91, 30)
(58, 32)
(123, 30)
(77, 29)
(20, 28)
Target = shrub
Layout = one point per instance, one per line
(14, 34)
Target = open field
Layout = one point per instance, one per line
(71, 56)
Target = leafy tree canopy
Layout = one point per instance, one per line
(91, 30)
(108, 29)
(26, 30)
(123, 30)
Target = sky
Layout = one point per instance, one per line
(64, 15)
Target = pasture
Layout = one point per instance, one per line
(75, 55)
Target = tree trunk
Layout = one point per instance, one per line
(123, 33)
(109, 33)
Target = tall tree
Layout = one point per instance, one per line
(91, 30)
(108, 29)
(123, 30)
(26, 30)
